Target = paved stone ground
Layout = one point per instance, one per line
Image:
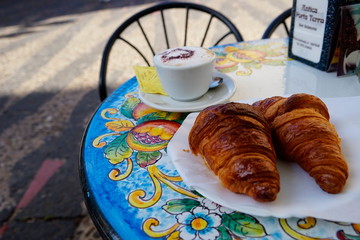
(49, 62)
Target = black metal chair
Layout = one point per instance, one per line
(164, 36)
(275, 24)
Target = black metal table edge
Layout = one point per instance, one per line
(102, 225)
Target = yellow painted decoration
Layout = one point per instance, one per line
(153, 222)
(230, 49)
(153, 170)
(97, 141)
(174, 236)
(356, 227)
(222, 62)
(164, 176)
(294, 234)
(198, 224)
(246, 72)
(307, 223)
(137, 197)
(156, 131)
(119, 126)
(110, 111)
(116, 175)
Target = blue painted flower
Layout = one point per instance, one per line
(199, 224)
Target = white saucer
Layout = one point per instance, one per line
(214, 96)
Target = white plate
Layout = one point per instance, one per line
(299, 195)
(214, 96)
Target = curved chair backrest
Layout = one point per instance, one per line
(279, 20)
(163, 24)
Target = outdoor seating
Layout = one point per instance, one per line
(275, 25)
(162, 26)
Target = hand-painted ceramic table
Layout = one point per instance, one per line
(132, 189)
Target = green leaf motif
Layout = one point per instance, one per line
(224, 234)
(144, 159)
(153, 116)
(118, 150)
(163, 115)
(197, 193)
(243, 225)
(178, 206)
(181, 118)
(128, 106)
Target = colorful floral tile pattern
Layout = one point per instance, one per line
(136, 191)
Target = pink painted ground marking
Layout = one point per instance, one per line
(45, 172)
(3, 230)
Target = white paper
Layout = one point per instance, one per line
(299, 196)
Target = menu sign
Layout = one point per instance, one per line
(309, 31)
(317, 31)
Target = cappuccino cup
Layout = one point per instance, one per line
(185, 72)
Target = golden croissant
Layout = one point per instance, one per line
(303, 133)
(235, 141)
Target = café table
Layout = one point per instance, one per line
(131, 187)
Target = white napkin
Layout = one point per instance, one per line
(299, 196)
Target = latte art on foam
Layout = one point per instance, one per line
(182, 56)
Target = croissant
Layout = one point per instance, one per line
(235, 142)
(303, 133)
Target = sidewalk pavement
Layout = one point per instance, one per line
(49, 65)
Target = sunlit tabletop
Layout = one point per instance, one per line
(131, 187)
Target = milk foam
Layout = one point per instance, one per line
(184, 56)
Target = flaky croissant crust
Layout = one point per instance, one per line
(235, 141)
(302, 133)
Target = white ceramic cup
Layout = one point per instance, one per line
(185, 72)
